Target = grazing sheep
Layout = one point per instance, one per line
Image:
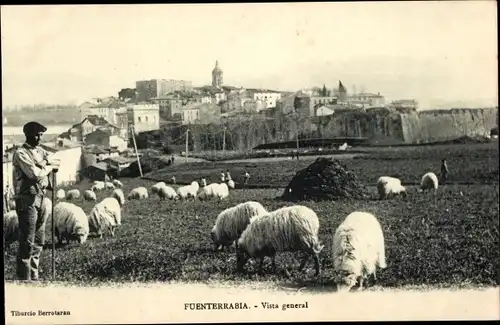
(117, 183)
(73, 194)
(358, 248)
(60, 195)
(208, 191)
(98, 186)
(89, 196)
(109, 186)
(288, 229)
(187, 191)
(195, 186)
(390, 186)
(105, 216)
(166, 192)
(230, 184)
(10, 228)
(119, 196)
(221, 191)
(155, 188)
(11, 221)
(429, 182)
(70, 223)
(138, 193)
(231, 222)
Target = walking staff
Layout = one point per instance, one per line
(32, 166)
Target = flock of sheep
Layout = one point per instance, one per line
(358, 243)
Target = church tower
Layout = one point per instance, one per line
(217, 78)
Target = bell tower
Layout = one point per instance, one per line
(217, 76)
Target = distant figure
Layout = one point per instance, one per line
(228, 176)
(247, 177)
(293, 155)
(173, 179)
(444, 171)
(172, 159)
(297, 154)
(222, 177)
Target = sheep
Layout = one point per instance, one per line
(187, 191)
(117, 183)
(155, 188)
(429, 181)
(221, 191)
(60, 195)
(208, 191)
(73, 194)
(109, 186)
(11, 221)
(288, 229)
(89, 196)
(166, 192)
(358, 248)
(119, 196)
(138, 193)
(230, 184)
(195, 186)
(10, 228)
(106, 215)
(390, 186)
(98, 186)
(70, 223)
(231, 222)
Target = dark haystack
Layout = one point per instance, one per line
(324, 179)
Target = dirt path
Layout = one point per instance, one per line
(334, 156)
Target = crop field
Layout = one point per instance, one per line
(449, 239)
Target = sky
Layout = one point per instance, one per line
(435, 52)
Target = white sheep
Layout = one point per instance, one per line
(166, 192)
(73, 194)
(11, 221)
(221, 191)
(230, 184)
(288, 229)
(118, 195)
(390, 186)
(231, 222)
(358, 249)
(60, 195)
(429, 182)
(98, 186)
(195, 186)
(138, 193)
(155, 188)
(105, 217)
(12, 204)
(117, 183)
(186, 192)
(10, 228)
(89, 195)
(70, 223)
(109, 186)
(208, 191)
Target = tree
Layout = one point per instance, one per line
(324, 91)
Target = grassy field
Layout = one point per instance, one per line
(468, 164)
(447, 240)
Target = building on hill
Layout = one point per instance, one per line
(102, 107)
(410, 104)
(217, 76)
(105, 139)
(201, 114)
(143, 116)
(367, 100)
(324, 110)
(78, 132)
(148, 89)
(169, 105)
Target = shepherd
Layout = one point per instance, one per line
(32, 168)
(444, 171)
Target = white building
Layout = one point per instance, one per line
(367, 100)
(143, 116)
(324, 110)
(269, 98)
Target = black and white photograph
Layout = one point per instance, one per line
(250, 162)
